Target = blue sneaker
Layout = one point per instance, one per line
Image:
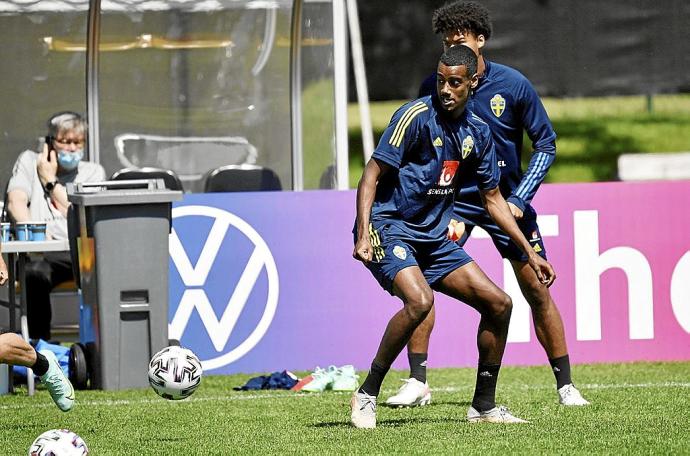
(345, 379)
(322, 379)
(58, 385)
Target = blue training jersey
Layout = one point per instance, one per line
(506, 100)
(429, 153)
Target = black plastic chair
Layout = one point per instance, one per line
(171, 180)
(328, 178)
(241, 178)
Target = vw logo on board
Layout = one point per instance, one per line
(240, 279)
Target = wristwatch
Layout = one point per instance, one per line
(51, 185)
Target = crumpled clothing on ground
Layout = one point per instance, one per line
(277, 380)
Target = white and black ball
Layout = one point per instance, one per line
(175, 373)
(58, 442)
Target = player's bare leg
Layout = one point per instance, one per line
(15, 350)
(415, 390)
(419, 342)
(418, 299)
(550, 331)
(547, 319)
(469, 284)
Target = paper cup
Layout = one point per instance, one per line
(22, 232)
(37, 231)
(5, 232)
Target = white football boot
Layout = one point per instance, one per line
(569, 395)
(413, 393)
(58, 385)
(498, 414)
(363, 411)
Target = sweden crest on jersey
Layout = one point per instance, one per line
(467, 146)
(498, 105)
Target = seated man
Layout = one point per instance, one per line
(36, 192)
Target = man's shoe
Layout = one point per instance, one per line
(569, 395)
(413, 393)
(58, 385)
(322, 379)
(498, 414)
(363, 411)
(345, 379)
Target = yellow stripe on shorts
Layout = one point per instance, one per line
(378, 252)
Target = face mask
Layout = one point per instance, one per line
(69, 160)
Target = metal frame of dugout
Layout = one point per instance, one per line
(118, 234)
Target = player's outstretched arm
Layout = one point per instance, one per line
(498, 209)
(536, 123)
(366, 191)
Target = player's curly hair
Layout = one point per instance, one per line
(459, 15)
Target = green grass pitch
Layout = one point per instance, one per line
(639, 408)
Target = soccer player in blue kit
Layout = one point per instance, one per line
(404, 205)
(505, 100)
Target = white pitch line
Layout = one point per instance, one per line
(288, 395)
(583, 386)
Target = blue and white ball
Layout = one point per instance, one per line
(58, 442)
(175, 373)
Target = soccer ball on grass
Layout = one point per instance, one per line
(58, 442)
(174, 373)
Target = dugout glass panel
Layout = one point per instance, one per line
(191, 86)
(318, 110)
(41, 74)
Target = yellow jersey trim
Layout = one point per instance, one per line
(405, 121)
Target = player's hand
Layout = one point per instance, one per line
(516, 211)
(543, 269)
(3, 272)
(363, 250)
(47, 168)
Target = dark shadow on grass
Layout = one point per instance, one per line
(170, 439)
(464, 404)
(23, 426)
(392, 423)
(434, 403)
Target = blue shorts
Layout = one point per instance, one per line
(474, 215)
(395, 250)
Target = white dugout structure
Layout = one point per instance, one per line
(185, 85)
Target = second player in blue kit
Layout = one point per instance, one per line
(508, 103)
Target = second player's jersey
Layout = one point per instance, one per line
(506, 100)
(429, 152)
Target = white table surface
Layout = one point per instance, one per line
(34, 246)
